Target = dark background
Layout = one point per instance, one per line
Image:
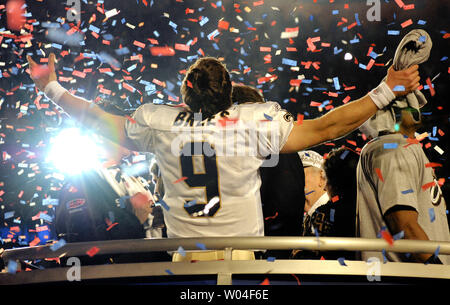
(26, 179)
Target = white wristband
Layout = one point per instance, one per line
(382, 95)
(54, 91)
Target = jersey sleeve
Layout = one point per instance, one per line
(395, 174)
(138, 128)
(276, 132)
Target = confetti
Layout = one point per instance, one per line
(432, 214)
(201, 246)
(380, 176)
(15, 11)
(407, 191)
(179, 180)
(92, 251)
(58, 245)
(163, 204)
(341, 261)
(181, 251)
(12, 267)
(387, 237)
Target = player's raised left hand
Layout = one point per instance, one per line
(42, 74)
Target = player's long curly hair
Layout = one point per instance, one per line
(207, 87)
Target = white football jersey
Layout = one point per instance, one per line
(210, 166)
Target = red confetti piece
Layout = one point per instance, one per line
(139, 44)
(265, 282)
(181, 47)
(271, 217)
(130, 119)
(406, 23)
(111, 226)
(432, 164)
(34, 242)
(430, 87)
(400, 3)
(92, 251)
(298, 281)
(226, 122)
(15, 11)
(295, 82)
(162, 51)
(300, 119)
(179, 180)
(223, 25)
(427, 185)
(351, 142)
(335, 198)
(380, 176)
(387, 237)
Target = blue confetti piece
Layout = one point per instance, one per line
(421, 22)
(407, 191)
(289, 62)
(383, 252)
(335, 12)
(392, 32)
(164, 204)
(58, 245)
(332, 212)
(341, 261)
(399, 235)
(390, 145)
(436, 252)
(213, 34)
(432, 214)
(203, 21)
(344, 154)
(181, 251)
(357, 19)
(373, 55)
(173, 25)
(93, 28)
(271, 259)
(50, 201)
(168, 272)
(309, 193)
(398, 88)
(336, 50)
(422, 38)
(8, 215)
(268, 117)
(190, 203)
(316, 232)
(201, 246)
(12, 267)
(336, 83)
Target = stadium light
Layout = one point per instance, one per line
(73, 152)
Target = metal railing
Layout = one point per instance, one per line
(225, 269)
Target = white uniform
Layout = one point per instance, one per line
(210, 167)
(391, 172)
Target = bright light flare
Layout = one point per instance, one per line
(73, 152)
